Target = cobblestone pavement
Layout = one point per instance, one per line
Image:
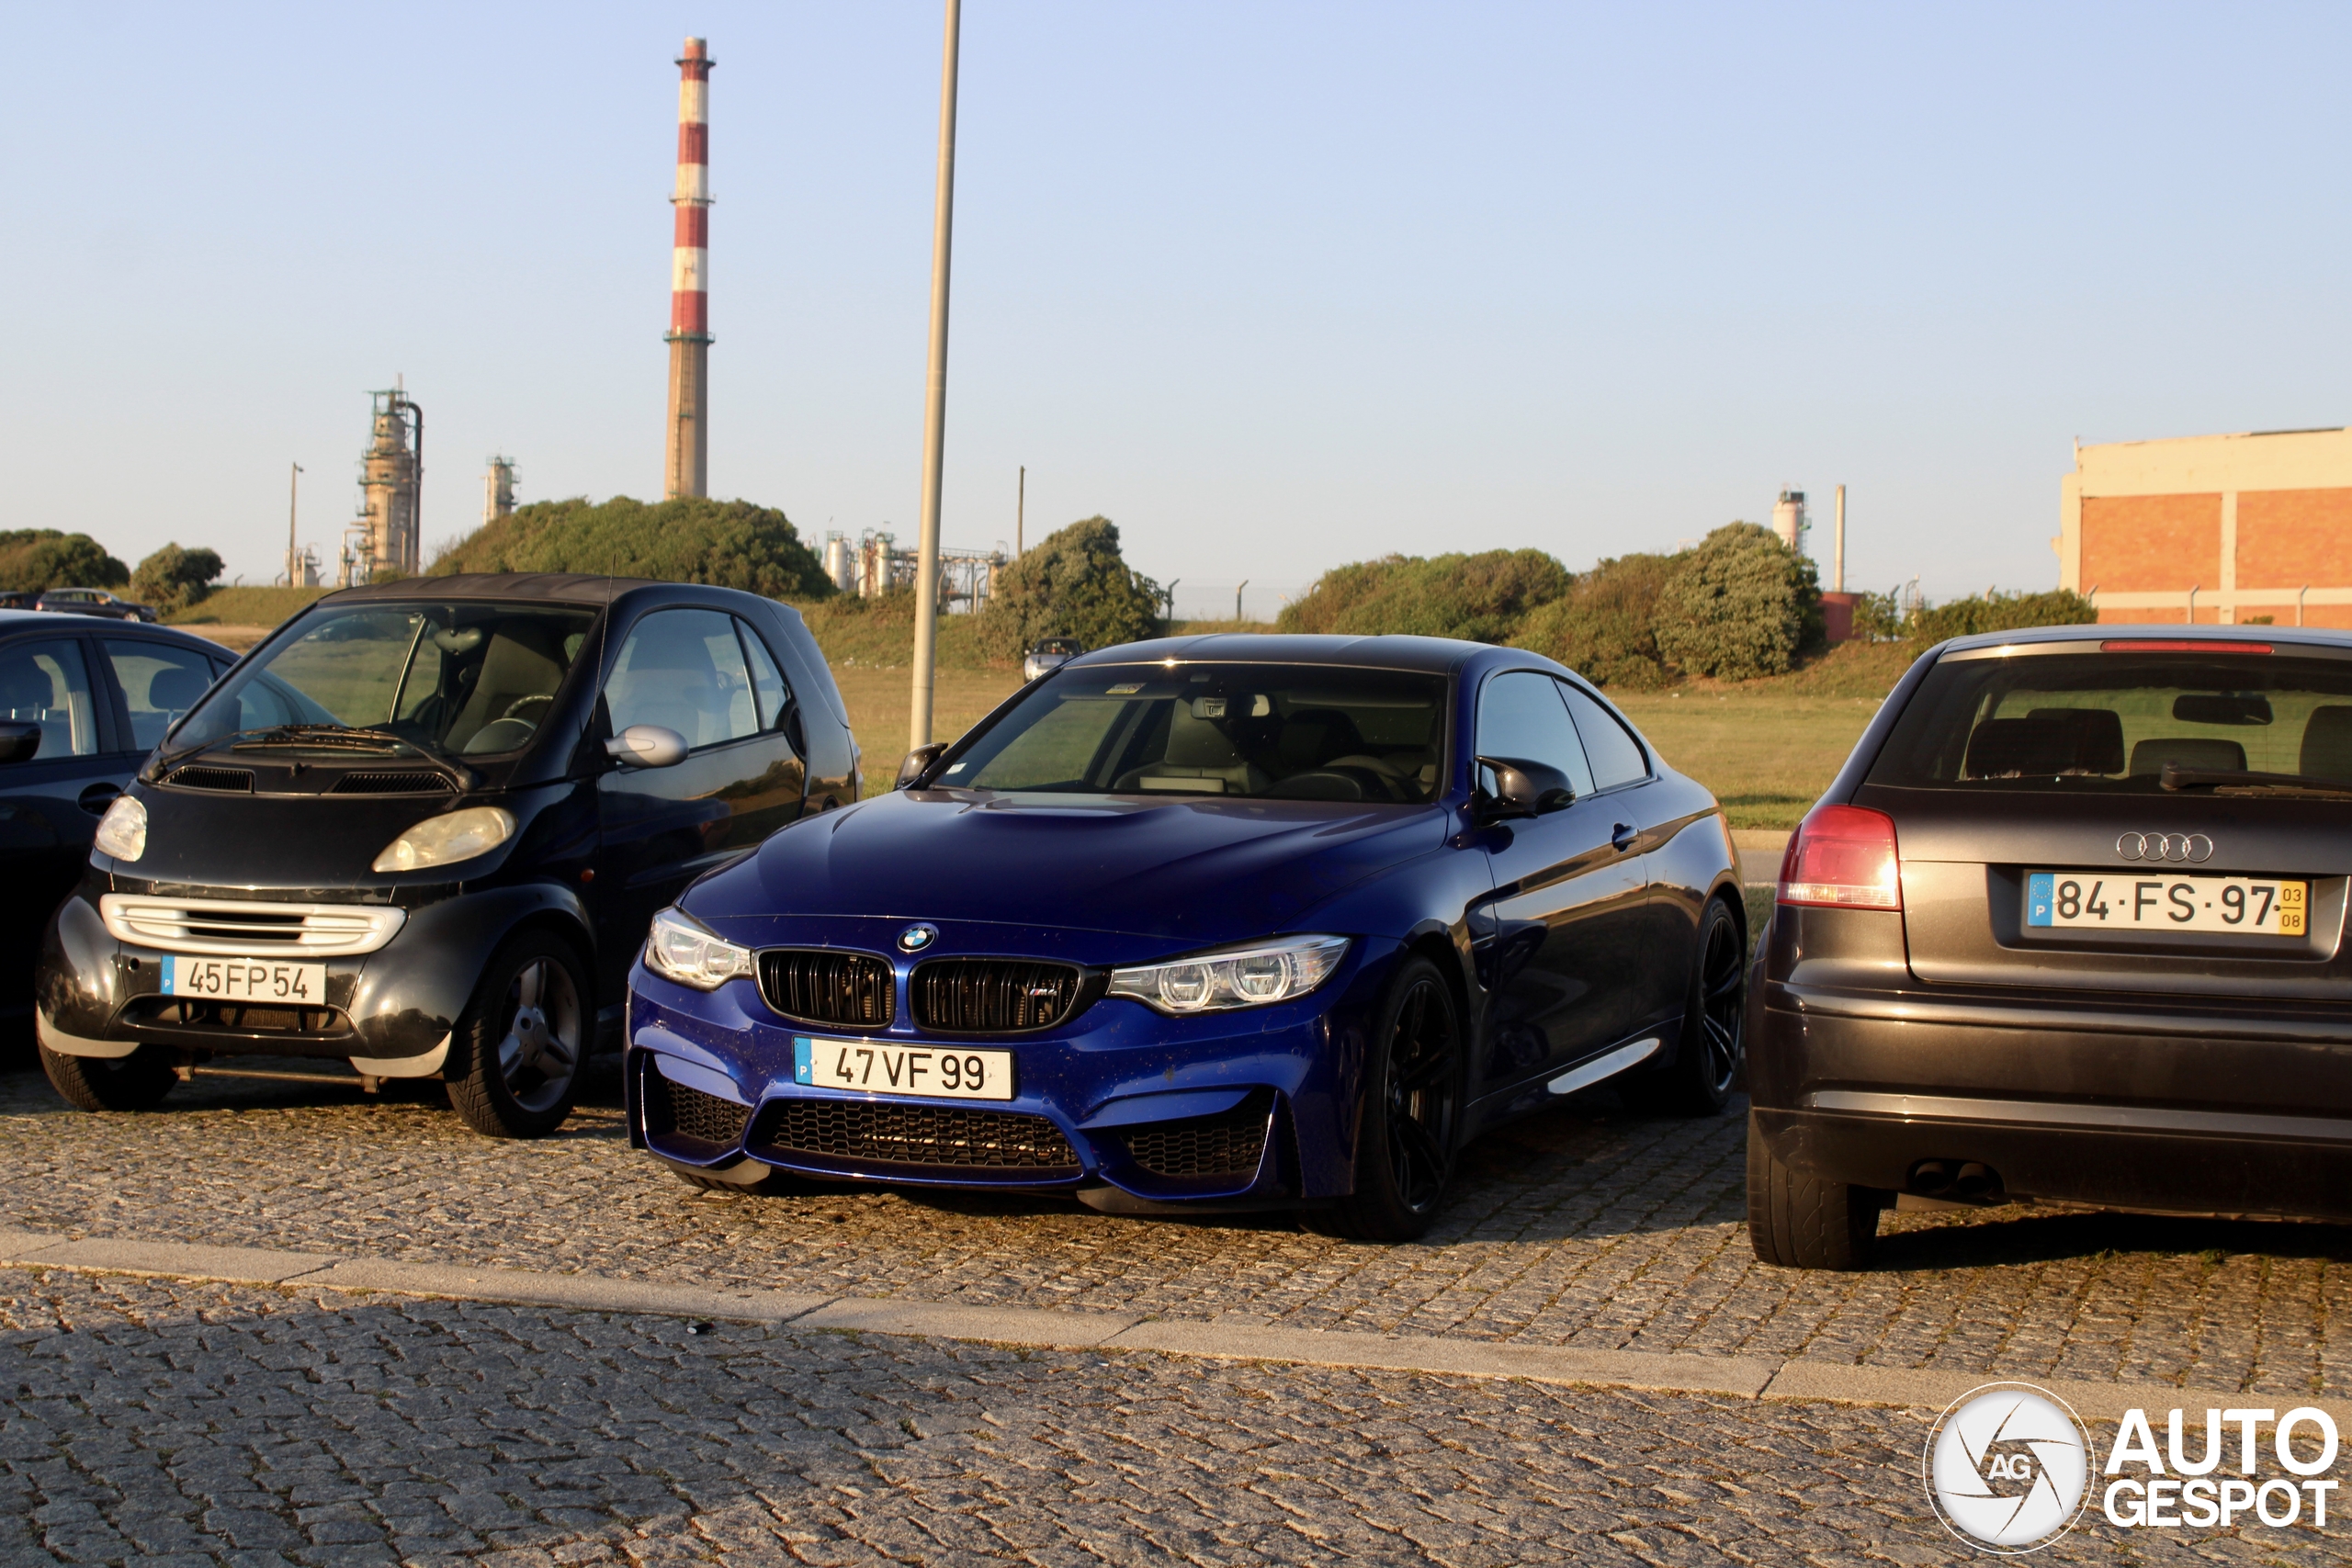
(1585, 1227)
(182, 1423)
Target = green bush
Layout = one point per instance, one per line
(1072, 583)
(1994, 611)
(1604, 629)
(35, 558)
(173, 578)
(729, 544)
(1742, 604)
(1482, 598)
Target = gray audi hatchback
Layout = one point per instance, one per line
(2069, 925)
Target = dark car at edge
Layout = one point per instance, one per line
(2069, 925)
(421, 828)
(1207, 923)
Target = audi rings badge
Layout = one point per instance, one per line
(2179, 848)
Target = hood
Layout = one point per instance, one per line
(1202, 872)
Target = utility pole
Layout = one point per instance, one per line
(934, 423)
(293, 490)
(1237, 601)
(1020, 511)
(1170, 591)
(1838, 572)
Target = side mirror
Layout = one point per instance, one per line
(19, 742)
(648, 746)
(918, 762)
(796, 733)
(1524, 789)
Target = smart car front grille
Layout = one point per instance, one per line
(234, 1018)
(193, 777)
(913, 1136)
(1231, 1144)
(994, 996)
(847, 990)
(411, 781)
(249, 928)
(673, 1109)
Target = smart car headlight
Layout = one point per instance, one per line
(122, 831)
(682, 949)
(445, 839)
(1234, 977)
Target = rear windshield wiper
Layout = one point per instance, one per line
(2241, 781)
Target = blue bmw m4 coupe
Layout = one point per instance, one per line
(1208, 923)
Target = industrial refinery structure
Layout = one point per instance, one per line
(686, 467)
(387, 537)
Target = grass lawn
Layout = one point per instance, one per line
(1767, 755)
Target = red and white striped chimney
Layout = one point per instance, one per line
(688, 465)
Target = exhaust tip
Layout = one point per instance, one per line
(1958, 1181)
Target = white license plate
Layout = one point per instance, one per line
(2261, 906)
(879, 1067)
(246, 980)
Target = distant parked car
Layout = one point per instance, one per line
(80, 706)
(423, 828)
(1050, 654)
(20, 599)
(92, 602)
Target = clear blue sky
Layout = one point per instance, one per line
(1275, 286)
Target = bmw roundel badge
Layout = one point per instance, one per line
(915, 938)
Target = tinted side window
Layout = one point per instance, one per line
(159, 683)
(1521, 714)
(1616, 756)
(46, 684)
(683, 670)
(767, 685)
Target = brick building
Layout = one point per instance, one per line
(2226, 528)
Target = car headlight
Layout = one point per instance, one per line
(453, 836)
(122, 831)
(1234, 977)
(680, 948)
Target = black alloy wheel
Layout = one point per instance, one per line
(1411, 1109)
(515, 1059)
(1714, 1021)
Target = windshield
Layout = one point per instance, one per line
(465, 679)
(2111, 723)
(1273, 731)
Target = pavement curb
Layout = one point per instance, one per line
(1739, 1377)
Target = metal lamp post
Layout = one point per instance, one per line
(934, 424)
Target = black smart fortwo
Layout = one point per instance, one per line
(422, 830)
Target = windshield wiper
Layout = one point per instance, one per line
(338, 736)
(2241, 781)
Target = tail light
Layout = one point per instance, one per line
(1843, 857)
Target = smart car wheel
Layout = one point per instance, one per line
(1803, 1222)
(515, 1057)
(1412, 1097)
(136, 1082)
(1707, 1061)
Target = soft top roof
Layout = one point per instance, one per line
(1435, 655)
(562, 586)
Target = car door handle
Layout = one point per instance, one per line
(1622, 835)
(98, 797)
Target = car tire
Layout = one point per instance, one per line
(136, 1082)
(517, 1055)
(1409, 1115)
(1708, 1058)
(1805, 1222)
